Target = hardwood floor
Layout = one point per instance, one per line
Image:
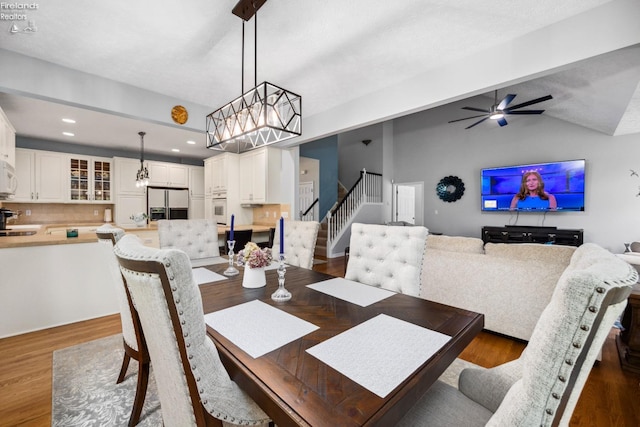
(610, 397)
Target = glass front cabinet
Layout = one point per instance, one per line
(90, 179)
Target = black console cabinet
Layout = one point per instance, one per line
(532, 234)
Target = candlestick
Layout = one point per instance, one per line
(231, 230)
(231, 270)
(281, 235)
(281, 294)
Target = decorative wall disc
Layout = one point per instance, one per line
(179, 114)
(450, 188)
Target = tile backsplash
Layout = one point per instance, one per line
(269, 214)
(57, 213)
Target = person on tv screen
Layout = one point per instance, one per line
(532, 195)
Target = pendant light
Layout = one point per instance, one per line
(262, 116)
(142, 178)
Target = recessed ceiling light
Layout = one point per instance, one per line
(68, 134)
(191, 142)
(175, 150)
(68, 120)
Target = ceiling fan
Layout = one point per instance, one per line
(499, 111)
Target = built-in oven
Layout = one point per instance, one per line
(219, 210)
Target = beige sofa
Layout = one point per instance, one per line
(510, 284)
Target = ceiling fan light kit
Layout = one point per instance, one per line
(499, 111)
(262, 116)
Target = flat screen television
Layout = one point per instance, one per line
(538, 187)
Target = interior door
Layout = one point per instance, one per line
(406, 203)
(306, 196)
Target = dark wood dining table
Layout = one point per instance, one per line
(294, 388)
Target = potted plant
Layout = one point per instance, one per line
(140, 219)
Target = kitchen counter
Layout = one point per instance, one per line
(55, 234)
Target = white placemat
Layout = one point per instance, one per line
(274, 265)
(208, 261)
(380, 353)
(202, 275)
(258, 328)
(350, 291)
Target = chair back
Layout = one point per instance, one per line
(193, 385)
(108, 237)
(299, 242)
(198, 238)
(589, 296)
(387, 257)
(242, 237)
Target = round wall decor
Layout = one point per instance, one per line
(179, 114)
(450, 188)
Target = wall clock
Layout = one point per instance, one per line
(450, 189)
(179, 114)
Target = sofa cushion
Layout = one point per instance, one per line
(542, 254)
(469, 245)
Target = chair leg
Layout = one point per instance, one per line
(141, 392)
(125, 366)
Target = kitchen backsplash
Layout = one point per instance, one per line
(269, 214)
(57, 213)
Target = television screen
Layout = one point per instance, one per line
(555, 186)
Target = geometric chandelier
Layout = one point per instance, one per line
(262, 116)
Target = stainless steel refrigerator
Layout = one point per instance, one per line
(164, 203)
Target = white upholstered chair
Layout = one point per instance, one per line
(299, 242)
(387, 257)
(198, 238)
(193, 385)
(132, 336)
(542, 387)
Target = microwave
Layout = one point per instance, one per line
(8, 180)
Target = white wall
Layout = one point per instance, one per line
(353, 155)
(427, 148)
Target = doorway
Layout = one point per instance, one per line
(306, 196)
(408, 205)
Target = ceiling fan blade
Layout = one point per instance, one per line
(525, 112)
(525, 104)
(502, 122)
(467, 118)
(476, 109)
(477, 123)
(505, 101)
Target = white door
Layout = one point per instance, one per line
(406, 203)
(305, 198)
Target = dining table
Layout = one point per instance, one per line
(339, 360)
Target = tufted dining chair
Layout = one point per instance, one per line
(198, 238)
(132, 336)
(193, 386)
(387, 257)
(299, 242)
(542, 387)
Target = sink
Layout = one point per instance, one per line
(6, 233)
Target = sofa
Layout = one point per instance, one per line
(510, 284)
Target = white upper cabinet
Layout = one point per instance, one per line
(196, 181)
(125, 172)
(89, 179)
(260, 176)
(163, 174)
(41, 176)
(7, 140)
(218, 171)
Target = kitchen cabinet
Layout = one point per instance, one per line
(41, 176)
(163, 174)
(125, 171)
(196, 181)
(220, 170)
(7, 140)
(89, 179)
(127, 205)
(260, 176)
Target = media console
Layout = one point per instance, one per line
(532, 234)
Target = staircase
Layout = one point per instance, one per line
(321, 242)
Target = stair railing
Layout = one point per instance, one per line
(367, 189)
(308, 215)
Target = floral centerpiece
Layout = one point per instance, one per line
(254, 257)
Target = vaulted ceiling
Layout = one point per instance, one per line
(354, 63)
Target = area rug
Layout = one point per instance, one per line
(85, 392)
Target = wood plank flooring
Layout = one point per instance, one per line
(609, 399)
